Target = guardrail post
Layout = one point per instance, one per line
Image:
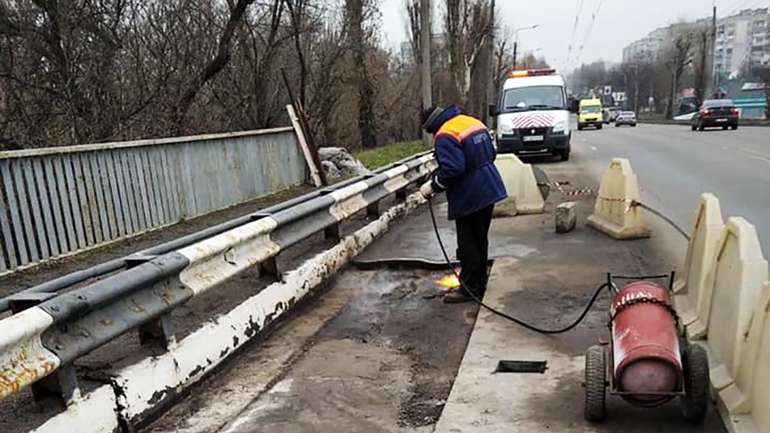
(373, 210)
(402, 193)
(332, 232)
(158, 332)
(62, 384)
(270, 267)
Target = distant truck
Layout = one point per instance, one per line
(590, 114)
(533, 116)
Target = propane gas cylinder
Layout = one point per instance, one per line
(645, 342)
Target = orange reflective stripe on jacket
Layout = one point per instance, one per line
(461, 127)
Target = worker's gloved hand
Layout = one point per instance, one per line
(426, 189)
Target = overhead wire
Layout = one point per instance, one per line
(574, 33)
(589, 31)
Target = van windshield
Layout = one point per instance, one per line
(591, 109)
(534, 98)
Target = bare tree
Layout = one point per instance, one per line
(676, 57)
(701, 37)
(359, 43)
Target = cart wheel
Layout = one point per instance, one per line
(596, 369)
(696, 384)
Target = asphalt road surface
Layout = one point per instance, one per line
(675, 165)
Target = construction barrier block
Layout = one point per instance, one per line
(519, 180)
(613, 212)
(738, 276)
(692, 286)
(743, 404)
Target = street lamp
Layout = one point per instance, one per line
(516, 41)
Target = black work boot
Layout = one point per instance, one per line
(458, 296)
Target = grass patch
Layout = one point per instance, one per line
(384, 155)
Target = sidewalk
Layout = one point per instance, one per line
(545, 279)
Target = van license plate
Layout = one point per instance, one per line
(533, 138)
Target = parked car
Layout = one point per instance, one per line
(716, 112)
(625, 118)
(609, 114)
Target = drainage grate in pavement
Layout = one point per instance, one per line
(506, 366)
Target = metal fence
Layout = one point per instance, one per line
(56, 201)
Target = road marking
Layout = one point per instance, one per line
(756, 155)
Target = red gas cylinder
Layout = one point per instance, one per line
(645, 343)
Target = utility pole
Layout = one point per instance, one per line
(425, 66)
(515, 52)
(492, 75)
(713, 47)
(516, 41)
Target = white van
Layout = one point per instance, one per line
(532, 115)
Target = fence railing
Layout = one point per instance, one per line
(56, 201)
(45, 339)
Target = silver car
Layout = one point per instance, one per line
(626, 118)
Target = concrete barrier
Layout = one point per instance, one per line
(613, 212)
(523, 194)
(744, 403)
(692, 287)
(739, 272)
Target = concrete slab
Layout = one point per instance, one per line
(484, 401)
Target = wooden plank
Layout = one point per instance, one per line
(72, 187)
(26, 217)
(101, 202)
(13, 207)
(85, 204)
(141, 188)
(5, 225)
(149, 182)
(128, 182)
(56, 208)
(314, 171)
(38, 225)
(110, 189)
(121, 198)
(69, 201)
(45, 205)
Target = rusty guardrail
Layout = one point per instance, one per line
(39, 344)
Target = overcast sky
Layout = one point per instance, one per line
(618, 22)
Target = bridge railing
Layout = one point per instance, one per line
(56, 201)
(39, 344)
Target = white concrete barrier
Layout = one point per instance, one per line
(692, 286)
(739, 272)
(613, 212)
(523, 194)
(744, 404)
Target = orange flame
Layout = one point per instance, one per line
(449, 282)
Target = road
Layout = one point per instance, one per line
(674, 165)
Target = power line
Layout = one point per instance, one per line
(574, 32)
(589, 31)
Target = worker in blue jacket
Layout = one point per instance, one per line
(473, 185)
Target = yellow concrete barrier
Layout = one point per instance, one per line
(613, 212)
(692, 287)
(739, 272)
(523, 195)
(744, 404)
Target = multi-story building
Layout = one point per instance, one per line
(646, 48)
(743, 41)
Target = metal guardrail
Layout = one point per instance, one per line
(63, 282)
(56, 201)
(39, 344)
